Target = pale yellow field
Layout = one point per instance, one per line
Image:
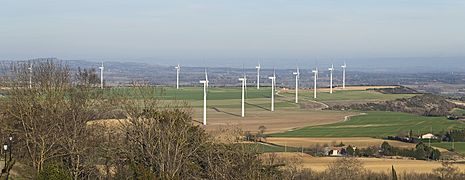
(360, 142)
(278, 121)
(373, 164)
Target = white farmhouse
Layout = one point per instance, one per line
(428, 136)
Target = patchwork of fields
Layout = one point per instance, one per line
(293, 126)
(378, 125)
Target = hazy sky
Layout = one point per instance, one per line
(220, 29)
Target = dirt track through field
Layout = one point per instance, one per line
(279, 121)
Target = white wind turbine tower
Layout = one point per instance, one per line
(178, 68)
(273, 79)
(297, 77)
(101, 76)
(331, 69)
(205, 84)
(344, 75)
(243, 80)
(314, 85)
(258, 75)
(30, 75)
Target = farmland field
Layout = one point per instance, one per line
(458, 112)
(266, 148)
(279, 121)
(359, 142)
(459, 146)
(190, 93)
(373, 164)
(376, 124)
(223, 105)
(350, 95)
(231, 96)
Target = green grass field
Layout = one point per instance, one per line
(459, 146)
(231, 97)
(376, 124)
(458, 112)
(217, 97)
(220, 93)
(350, 96)
(189, 93)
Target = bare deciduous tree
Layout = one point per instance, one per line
(50, 119)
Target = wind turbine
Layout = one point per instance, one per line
(314, 85)
(101, 76)
(344, 75)
(30, 75)
(258, 75)
(243, 80)
(273, 79)
(206, 78)
(205, 84)
(178, 68)
(331, 69)
(297, 77)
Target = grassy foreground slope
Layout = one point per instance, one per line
(376, 124)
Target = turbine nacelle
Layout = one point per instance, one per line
(297, 73)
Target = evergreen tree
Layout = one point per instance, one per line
(420, 152)
(350, 151)
(386, 149)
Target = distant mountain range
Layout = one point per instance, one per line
(383, 64)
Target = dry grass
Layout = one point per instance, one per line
(373, 164)
(361, 142)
